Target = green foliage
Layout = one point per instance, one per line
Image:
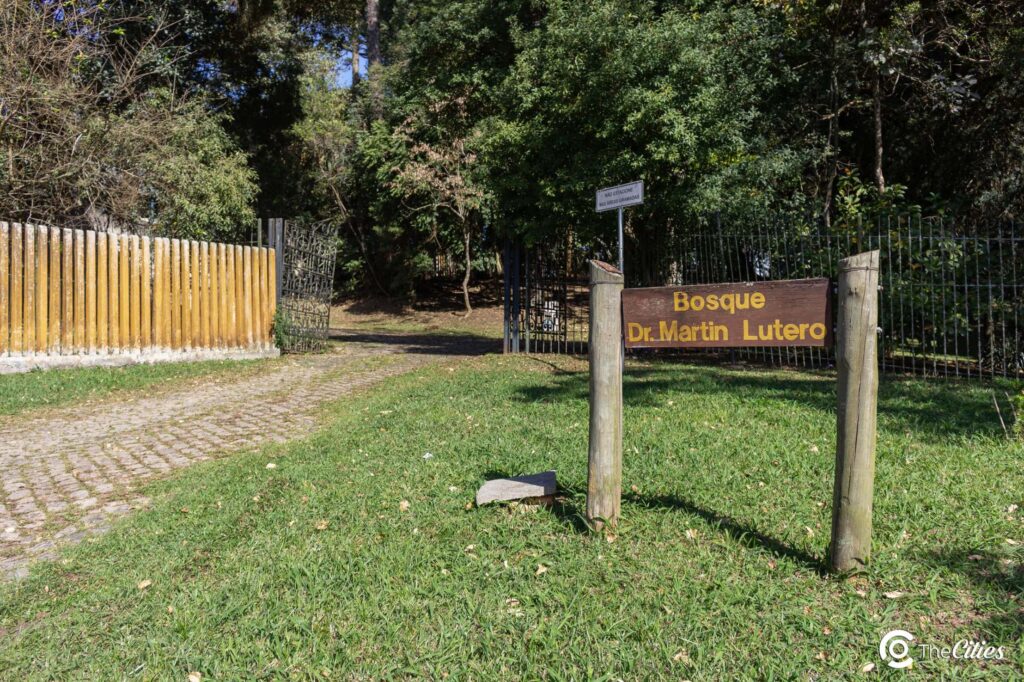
(1017, 407)
(515, 111)
(199, 183)
(858, 202)
(97, 134)
(282, 330)
(610, 91)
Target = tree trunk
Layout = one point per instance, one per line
(469, 267)
(372, 33)
(373, 56)
(879, 176)
(833, 125)
(354, 47)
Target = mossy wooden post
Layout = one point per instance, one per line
(857, 361)
(604, 478)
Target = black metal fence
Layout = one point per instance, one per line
(950, 303)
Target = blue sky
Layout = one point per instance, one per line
(343, 77)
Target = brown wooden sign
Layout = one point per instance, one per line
(756, 314)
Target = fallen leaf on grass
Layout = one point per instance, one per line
(975, 557)
(895, 594)
(868, 667)
(1012, 508)
(144, 584)
(541, 569)
(609, 538)
(810, 531)
(271, 465)
(403, 505)
(322, 524)
(820, 656)
(682, 657)
(195, 677)
(814, 449)
(862, 594)
(691, 534)
(1011, 541)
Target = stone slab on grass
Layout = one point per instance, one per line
(517, 488)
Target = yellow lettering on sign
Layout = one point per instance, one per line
(777, 331)
(634, 332)
(730, 303)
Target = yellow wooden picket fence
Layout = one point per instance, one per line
(79, 292)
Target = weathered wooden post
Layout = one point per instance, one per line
(604, 480)
(857, 361)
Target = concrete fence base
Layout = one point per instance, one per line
(14, 364)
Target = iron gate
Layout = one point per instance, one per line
(307, 253)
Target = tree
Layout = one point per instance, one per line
(90, 140)
(440, 173)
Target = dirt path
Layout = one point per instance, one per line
(67, 473)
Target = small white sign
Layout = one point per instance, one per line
(630, 194)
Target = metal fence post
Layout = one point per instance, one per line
(506, 297)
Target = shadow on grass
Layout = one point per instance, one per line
(424, 344)
(931, 408)
(982, 569)
(1003, 582)
(570, 508)
(739, 531)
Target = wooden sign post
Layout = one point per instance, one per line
(857, 362)
(751, 314)
(604, 471)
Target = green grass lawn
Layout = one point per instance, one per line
(356, 557)
(53, 388)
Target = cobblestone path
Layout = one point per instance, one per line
(66, 473)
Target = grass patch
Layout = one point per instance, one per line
(316, 568)
(53, 388)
